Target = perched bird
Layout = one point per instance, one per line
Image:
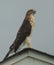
(24, 34)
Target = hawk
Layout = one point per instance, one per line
(24, 34)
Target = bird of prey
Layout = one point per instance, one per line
(24, 34)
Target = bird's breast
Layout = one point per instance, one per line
(32, 22)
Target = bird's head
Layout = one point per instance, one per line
(31, 12)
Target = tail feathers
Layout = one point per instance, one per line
(7, 55)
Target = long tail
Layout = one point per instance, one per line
(7, 55)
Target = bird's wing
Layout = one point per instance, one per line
(23, 32)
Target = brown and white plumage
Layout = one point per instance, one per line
(24, 33)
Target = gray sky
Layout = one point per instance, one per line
(12, 13)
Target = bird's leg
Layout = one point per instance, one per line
(28, 44)
(27, 41)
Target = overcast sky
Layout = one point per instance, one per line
(12, 13)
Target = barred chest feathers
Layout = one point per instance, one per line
(32, 21)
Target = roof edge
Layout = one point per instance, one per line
(28, 49)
